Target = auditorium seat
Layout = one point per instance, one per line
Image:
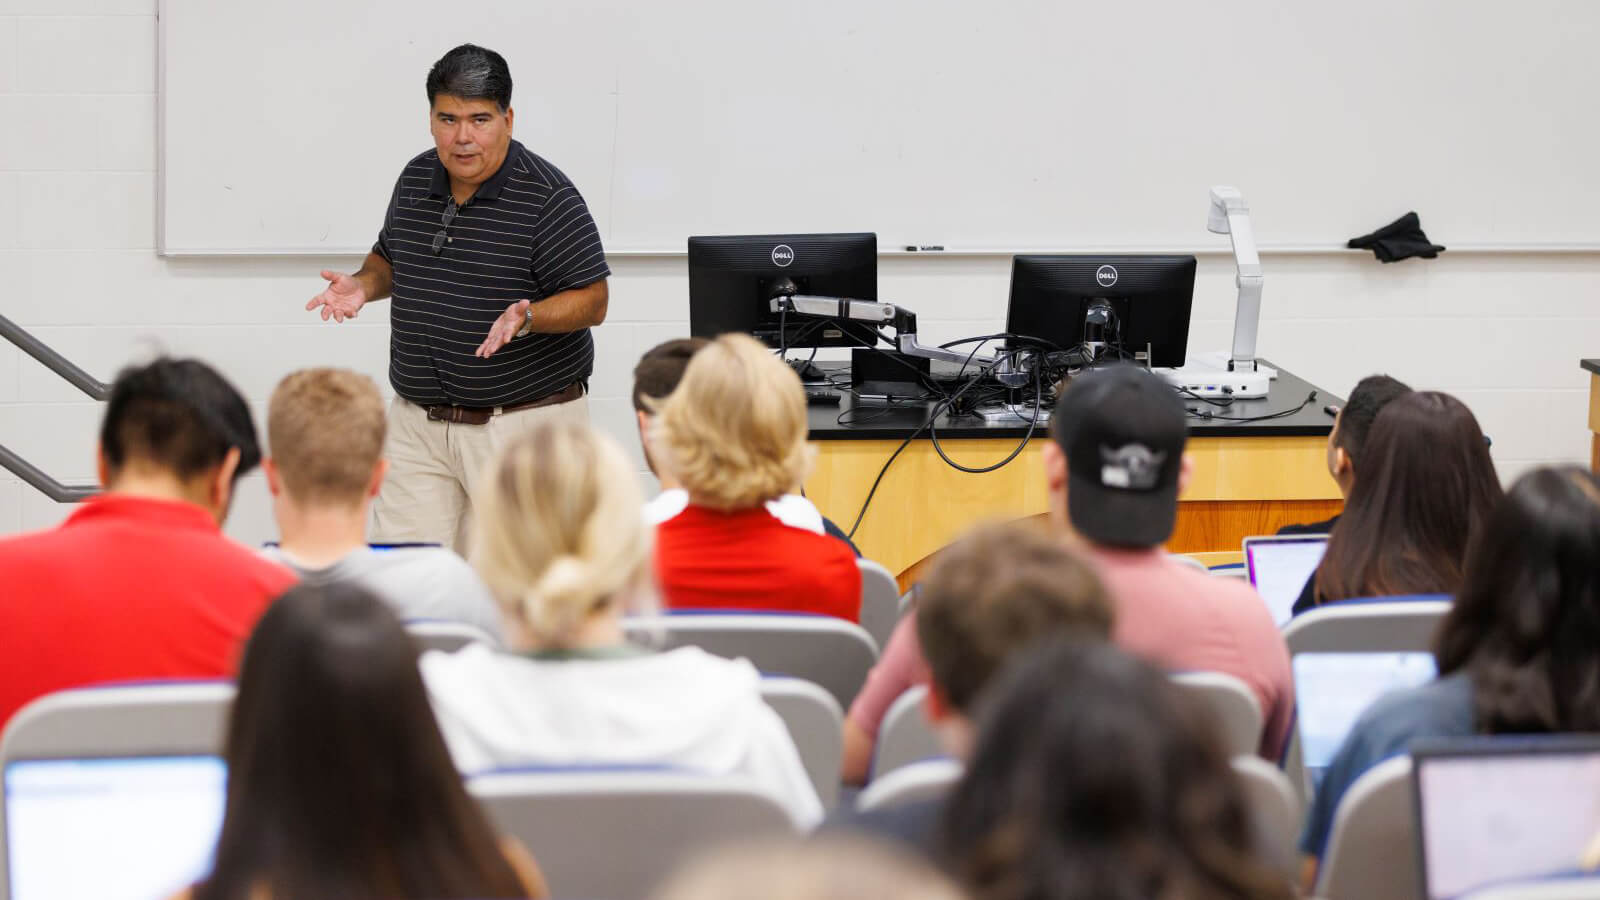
(816, 723)
(618, 833)
(448, 637)
(908, 784)
(905, 736)
(880, 600)
(1372, 851)
(824, 650)
(1275, 811)
(1232, 704)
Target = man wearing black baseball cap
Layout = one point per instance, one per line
(1115, 470)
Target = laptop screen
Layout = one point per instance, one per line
(134, 828)
(1280, 567)
(1512, 811)
(1331, 690)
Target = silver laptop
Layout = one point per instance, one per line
(1498, 810)
(134, 827)
(1279, 568)
(1331, 690)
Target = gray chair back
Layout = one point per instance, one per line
(176, 719)
(919, 781)
(1232, 704)
(1372, 852)
(829, 652)
(816, 723)
(1274, 812)
(905, 736)
(448, 637)
(1546, 889)
(620, 834)
(880, 600)
(1398, 626)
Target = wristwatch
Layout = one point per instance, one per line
(527, 322)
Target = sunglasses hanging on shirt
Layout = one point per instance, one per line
(442, 236)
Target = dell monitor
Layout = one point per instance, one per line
(734, 278)
(1117, 307)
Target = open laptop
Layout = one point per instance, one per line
(138, 828)
(1493, 810)
(1279, 568)
(1331, 690)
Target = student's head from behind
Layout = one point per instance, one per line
(991, 595)
(828, 867)
(1348, 439)
(1527, 622)
(1116, 464)
(325, 430)
(654, 379)
(469, 112)
(1092, 778)
(734, 432)
(1427, 483)
(339, 782)
(175, 428)
(560, 537)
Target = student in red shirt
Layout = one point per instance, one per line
(140, 583)
(733, 434)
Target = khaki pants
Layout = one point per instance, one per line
(434, 466)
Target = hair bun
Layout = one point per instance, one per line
(562, 597)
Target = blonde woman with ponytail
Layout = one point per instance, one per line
(560, 539)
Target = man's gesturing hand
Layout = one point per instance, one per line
(343, 298)
(504, 328)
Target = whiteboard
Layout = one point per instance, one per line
(1012, 124)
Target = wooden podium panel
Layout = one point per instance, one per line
(1594, 416)
(1242, 486)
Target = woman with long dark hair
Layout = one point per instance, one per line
(1092, 779)
(339, 783)
(1519, 652)
(1427, 483)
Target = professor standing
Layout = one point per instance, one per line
(497, 275)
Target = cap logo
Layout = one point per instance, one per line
(782, 255)
(1106, 276)
(1134, 467)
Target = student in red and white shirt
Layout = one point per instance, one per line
(733, 435)
(140, 583)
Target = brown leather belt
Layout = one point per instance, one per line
(480, 415)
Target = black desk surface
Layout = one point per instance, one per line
(1592, 365)
(899, 421)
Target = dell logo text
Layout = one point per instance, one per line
(782, 255)
(1106, 276)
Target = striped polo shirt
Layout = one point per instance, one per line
(525, 234)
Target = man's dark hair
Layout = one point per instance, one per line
(995, 592)
(471, 73)
(179, 414)
(660, 369)
(1370, 395)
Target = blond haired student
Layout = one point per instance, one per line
(561, 540)
(733, 434)
(326, 428)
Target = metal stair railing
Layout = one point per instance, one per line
(30, 474)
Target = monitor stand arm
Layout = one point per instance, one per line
(878, 314)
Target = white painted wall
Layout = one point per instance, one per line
(77, 266)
